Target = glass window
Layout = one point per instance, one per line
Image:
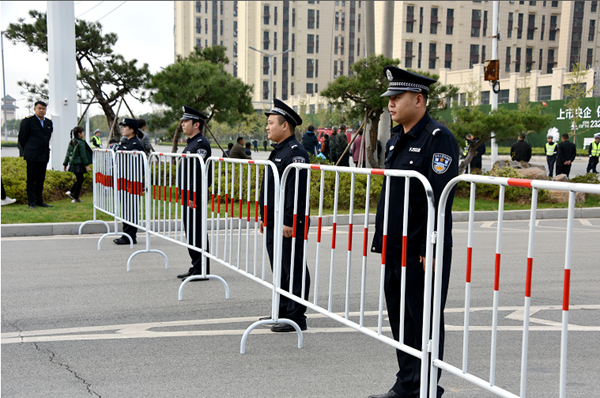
(544, 93)
(485, 98)
(310, 68)
(311, 19)
(503, 96)
(266, 15)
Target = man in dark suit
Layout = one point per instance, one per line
(566, 153)
(34, 138)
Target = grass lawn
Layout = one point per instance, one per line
(65, 211)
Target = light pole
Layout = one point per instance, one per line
(4, 87)
(270, 68)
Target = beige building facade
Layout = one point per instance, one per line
(539, 41)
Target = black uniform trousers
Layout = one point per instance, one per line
(563, 169)
(408, 378)
(288, 308)
(196, 268)
(592, 163)
(36, 175)
(551, 161)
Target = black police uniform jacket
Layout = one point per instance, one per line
(430, 149)
(35, 139)
(199, 145)
(285, 153)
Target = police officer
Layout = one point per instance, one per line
(551, 154)
(594, 152)
(421, 144)
(130, 142)
(34, 140)
(281, 124)
(192, 123)
(96, 142)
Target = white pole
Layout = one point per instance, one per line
(4, 89)
(494, 56)
(87, 126)
(63, 77)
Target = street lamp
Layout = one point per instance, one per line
(270, 68)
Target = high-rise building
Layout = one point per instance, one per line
(327, 37)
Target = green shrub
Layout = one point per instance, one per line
(14, 178)
(10, 144)
(590, 178)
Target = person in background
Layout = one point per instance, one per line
(333, 154)
(255, 144)
(357, 151)
(310, 141)
(96, 141)
(34, 138)
(551, 151)
(325, 146)
(520, 151)
(248, 151)
(594, 152)
(145, 137)
(78, 158)
(5, 199)
(112, 144)
(341, 143)
(237, 151)
(477, 161)
(229, 147)
(265, 143)
(565, 155)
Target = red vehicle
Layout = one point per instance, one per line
(321, 131)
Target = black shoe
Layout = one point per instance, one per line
(195, 280)
(32, 206)
(265, 318)
(389, 394)
(183, 276)
(44, 205)
(123, 241)
(284, 327)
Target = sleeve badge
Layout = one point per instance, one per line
(298, 159)
(440, 163)
(202, 152)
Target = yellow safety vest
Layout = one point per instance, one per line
(466, 148)
(550, 149)
(595, 149)
(96, 141)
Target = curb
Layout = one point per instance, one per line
(72, 228)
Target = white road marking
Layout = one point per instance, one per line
(147, 330)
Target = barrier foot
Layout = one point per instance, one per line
(146, 251)
(195, 277)
(114, 233)
(94, 221)
(268, 321)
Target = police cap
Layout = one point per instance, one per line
(402, 81)
(597, 135)
(280, 108)
(131, 123)
(191, 113)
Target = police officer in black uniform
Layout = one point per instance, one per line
(34, 141)
(421, 144)
(131, 142)
(192, 123)
(281, 124)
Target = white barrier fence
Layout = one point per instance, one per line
(535, 185)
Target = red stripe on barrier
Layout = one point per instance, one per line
(404, 246)
(176, 195)
(256, 211)
(251, 162)
(529, 272)
(226, 203)
(319, 230)
(248, 212)
(232, 202)
(158, 192)
(165, 194)
(519, 182)
(384, 249)
(469, 259)
(315, 167)
(221, 159)
(497, 273)
(240, 215)
(306, 227)
(170, 194)
(219, 204)
(266, 213)
(333, 237)
(349, 237)
(378, 172)
(294, 227)
(194, 199)
(212, 203)
(365, 242)
(566, 291)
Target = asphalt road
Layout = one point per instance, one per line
(76, 324)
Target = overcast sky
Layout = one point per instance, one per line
(144, 28)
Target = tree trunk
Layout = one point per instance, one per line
(470, 155)
(372, 150)
(176, 138)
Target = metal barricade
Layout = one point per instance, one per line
(132, 201)
(375, 331)
(535, 185)
(103, 188)
(177, 200)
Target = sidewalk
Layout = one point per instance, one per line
(72, 228)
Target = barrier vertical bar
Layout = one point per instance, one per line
(294, 225)
(566, 293)
(248, 216)
(226, 183)
(527, 304)
(335, 207)
(497, 285)
(468, 277)
(319, 229)
(256, 212)
(306, 222)
(239, 245)
(232, 197)
(266, 213)
(349, 257)
(363, 281)
(404, 250)
(218, 209)
(386, 206)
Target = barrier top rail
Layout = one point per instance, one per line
(423, 353)
(504, 182)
